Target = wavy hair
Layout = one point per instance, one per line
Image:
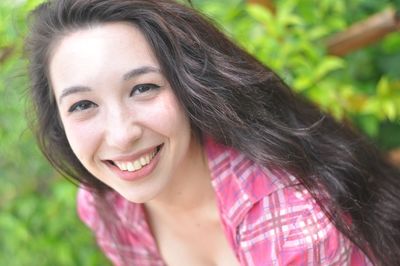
(229, 95)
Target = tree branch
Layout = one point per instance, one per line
(269, 4)
(394, 156)
(364, 33)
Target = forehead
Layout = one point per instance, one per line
(112, 47)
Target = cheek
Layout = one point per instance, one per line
(82, 138)
(167, 117)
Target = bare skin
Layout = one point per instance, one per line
(188, 230)
(191, 235)
(181, 241)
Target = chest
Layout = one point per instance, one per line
(195, 244)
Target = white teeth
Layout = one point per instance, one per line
(122, 165)
(130, 167)
(137, 164)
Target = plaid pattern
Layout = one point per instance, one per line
(268, 218)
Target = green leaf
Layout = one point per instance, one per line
(390, 110)
(383, 87)
(259, 13)
(328, 65)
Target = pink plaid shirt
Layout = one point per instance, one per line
(268, 218)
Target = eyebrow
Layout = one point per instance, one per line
(140, 71)
(72, 90)
(127, 76)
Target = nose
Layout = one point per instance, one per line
(122, 129)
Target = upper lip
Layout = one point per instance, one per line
(133, 156)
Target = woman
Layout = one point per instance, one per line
(191, 152)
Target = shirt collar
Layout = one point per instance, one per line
(238, 181)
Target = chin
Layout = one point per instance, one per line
(137, 198)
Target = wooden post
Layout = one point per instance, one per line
(265, 3)
(363, 33)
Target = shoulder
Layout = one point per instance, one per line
(121, 231)
(86, 208)
(274, 219)
(288, 227)
(90, 207)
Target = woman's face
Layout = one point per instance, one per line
(120, 115)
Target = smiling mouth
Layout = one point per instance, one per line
(135, 165)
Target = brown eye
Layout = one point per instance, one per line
(81, 106)
(143, 88)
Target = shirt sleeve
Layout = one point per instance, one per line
(288, 227)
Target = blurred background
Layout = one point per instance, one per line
(343, 55)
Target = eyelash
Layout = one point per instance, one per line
(147, 86)
(81, 106)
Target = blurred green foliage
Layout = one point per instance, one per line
(38, 221)
(363, 86)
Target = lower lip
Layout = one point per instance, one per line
(138, 174)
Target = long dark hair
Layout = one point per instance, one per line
(229, 95)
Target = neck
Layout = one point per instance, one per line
(190, 192)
